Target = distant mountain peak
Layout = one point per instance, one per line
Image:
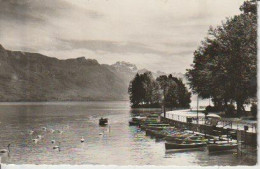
(83, 60)
(125, 66)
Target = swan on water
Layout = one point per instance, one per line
(3, 151)
(57, 147)
(35, 140)
(52, 131)
(39, 136)
(31, 132)
(44, 128)
(101, 133)
(82, 140)
(60, 131)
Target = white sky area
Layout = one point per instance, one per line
(153, 34)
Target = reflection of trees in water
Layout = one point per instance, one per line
(137, 112)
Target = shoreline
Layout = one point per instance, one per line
(53, 101)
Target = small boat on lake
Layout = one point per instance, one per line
(151, 116)
(160, 128)
(133, 123)
(169, 145)
(156, 133)
(136, 120)
(192, 139)
(103, 121)
(221, 147)
(176, 137)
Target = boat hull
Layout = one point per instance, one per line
(133, 123)
(174, 138)
(184, 146)
(103, 122)
(221, 147)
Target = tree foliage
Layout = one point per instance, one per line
(145, 91)
(225, 64)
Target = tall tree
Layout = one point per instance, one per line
(174, 91)
(136, 91)
(224, 66)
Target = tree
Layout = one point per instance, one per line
(136, 91)
(224, 66)
(145, 91)
(174, 91)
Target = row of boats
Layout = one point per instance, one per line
(181, 139)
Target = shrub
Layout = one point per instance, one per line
(211, 109)
(230, 111)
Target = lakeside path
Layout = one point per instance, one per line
(231, 123)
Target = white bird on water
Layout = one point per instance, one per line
(52, 131)
(82, 140)
(35, 140)
(39, 136)
(44, 128)
(3, 151)
(57, 147)
(31, 132)
(60, 131)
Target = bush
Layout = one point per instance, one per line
(211, 109)
(230, 111)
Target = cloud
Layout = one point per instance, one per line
(154, 34)
(40, 10)
(111, 46)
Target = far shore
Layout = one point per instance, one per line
(61, 101)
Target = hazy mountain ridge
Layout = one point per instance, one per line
(34, 77)
(28, 76)
(160, 73)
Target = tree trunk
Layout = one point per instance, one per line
(226, 104)
(239, 107)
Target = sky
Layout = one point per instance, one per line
(159, 35)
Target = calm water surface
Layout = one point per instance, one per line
(121, 145)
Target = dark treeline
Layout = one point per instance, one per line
(225, 64)
(145, 91)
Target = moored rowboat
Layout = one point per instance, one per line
(155, 133)
(133, 123)
(184, 146)
(187, 140)
(175, 137)
(221, 147)
(160, 127)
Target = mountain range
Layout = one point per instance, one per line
(28, 76)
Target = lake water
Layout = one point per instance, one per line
(121, 145)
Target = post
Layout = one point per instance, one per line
(164, 113)
(198, 109)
